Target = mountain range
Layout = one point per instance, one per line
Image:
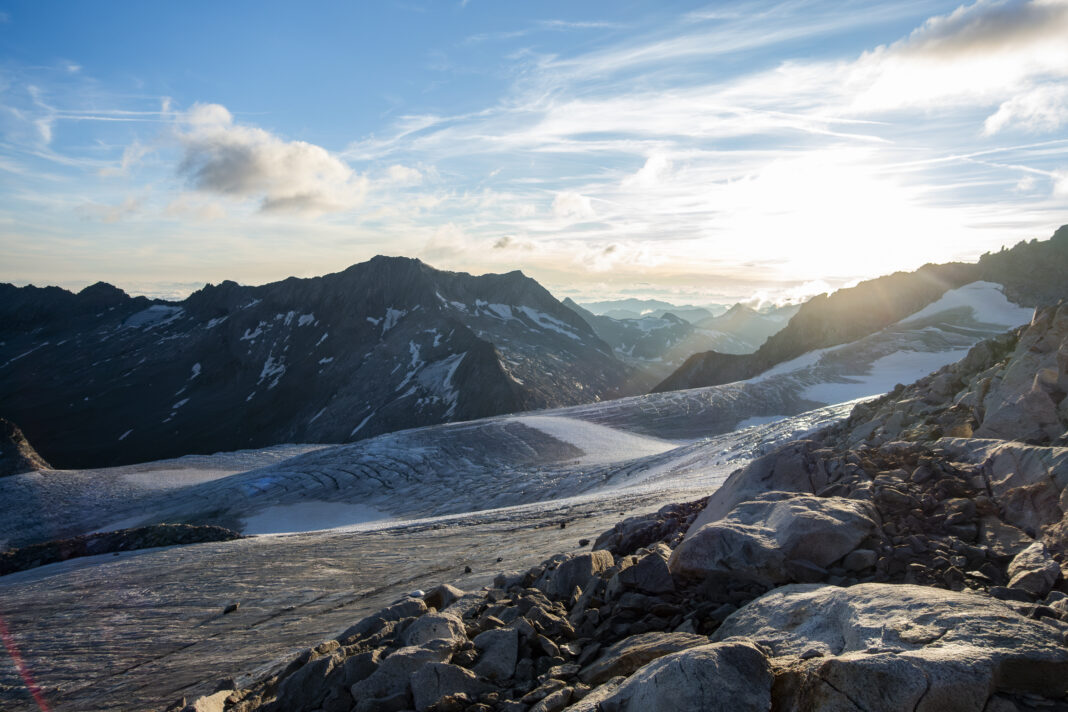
(659, 342)
(1030, 274)
(99, 378)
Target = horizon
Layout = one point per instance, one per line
(590, 301)
(702, 154)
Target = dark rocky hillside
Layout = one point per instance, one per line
(1032, 273)
(99, 378)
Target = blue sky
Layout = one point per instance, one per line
(689, 151)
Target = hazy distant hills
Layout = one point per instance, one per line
(1031, 274)
(640, 308)
(662, 340)
(99, 378)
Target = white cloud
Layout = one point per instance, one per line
(980, 53)
(1060, 184)
(243, 162)
(573, 206)
(1042, 109)
(404, 176)
(657, 167)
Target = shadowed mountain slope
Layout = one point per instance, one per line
(1031, 273)
(99, 378)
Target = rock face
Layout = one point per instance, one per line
(99, 378)
(16, 453)
(1009, 388)
(766, 539)
(728, 676)
(1031, 273)
(885, 647)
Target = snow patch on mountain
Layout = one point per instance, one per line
(599, 443)
(987, 302)
(153, 316)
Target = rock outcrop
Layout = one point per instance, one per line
(1009, 388)
(49, 552)
(16, 453)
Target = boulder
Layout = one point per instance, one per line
(406, 608)
(498, 653)
(913, 647)
(1034, 570)
(553, 702)
(649, 574)
(443, 596)
(214, 702)
(304, 689)
(393, 675)
(436, 626)
(1028, 483)
(732, 676)
(631, 653)
(433, 681)
(758, 538)
(574, 571)
(784, 470)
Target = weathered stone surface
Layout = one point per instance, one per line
(650, 574)
(757, 538)
(305, 689)
(407, 608)
(784, 470)
(436, 626)
(1004, 540)
(433, 681)
(859, 559)
(1029, 483)
(573, 572)
(966, 645)
(209, 703)
(631, 653)
(393, 674)
(553, 702)
(1034, 571)
(443, 596)
(1022, 404)
(498, 653)
(732, 676)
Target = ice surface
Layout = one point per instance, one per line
(987, 302)
(598, 443)
(310, 516)
(888, 371)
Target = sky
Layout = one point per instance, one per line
(693, 152)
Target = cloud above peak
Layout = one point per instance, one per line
(226, 158)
